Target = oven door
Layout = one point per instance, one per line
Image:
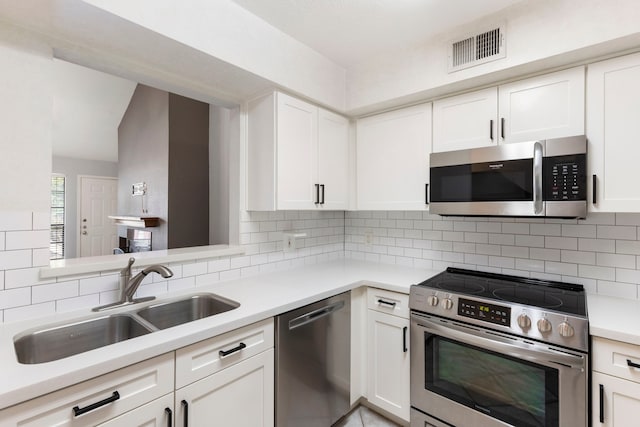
(465, 375)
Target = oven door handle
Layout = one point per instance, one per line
(500, 344)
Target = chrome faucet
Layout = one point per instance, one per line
(129, 285)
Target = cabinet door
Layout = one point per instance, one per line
(466, 121)
(393, 159)
(388, 363)
(548, 106)
(158, 413)
(333, 160)
(613, 109)
(241, 395)
(297, 148)
(620, 401)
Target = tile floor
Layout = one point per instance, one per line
(361, 416)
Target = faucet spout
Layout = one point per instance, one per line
(129, 285)
(132, 285)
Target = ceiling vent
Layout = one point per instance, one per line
(477, 49)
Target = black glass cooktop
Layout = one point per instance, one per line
(564, 297)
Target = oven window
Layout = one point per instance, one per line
(483, 182)
(512, 390)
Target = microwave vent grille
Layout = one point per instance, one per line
(477, 49)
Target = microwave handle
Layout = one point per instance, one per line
(537, 178)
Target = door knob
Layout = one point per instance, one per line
(84, 233)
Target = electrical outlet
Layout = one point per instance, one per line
(368, 237)
(289, 243)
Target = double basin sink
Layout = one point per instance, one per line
(57, 342)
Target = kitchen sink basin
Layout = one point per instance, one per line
(198, 306)
(53, 343)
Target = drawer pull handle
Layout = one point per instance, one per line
(169, 413)
(185, 407)
(389, 303)
(77, 411)
(224, 353)
(632, 365)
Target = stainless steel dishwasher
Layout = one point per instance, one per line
(313, 357)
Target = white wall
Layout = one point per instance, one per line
(540, 34)
(25, 122)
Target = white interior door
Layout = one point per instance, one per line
(98, 198)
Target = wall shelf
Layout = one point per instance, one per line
(136, 221)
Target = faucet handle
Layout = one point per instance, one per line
(127, 270)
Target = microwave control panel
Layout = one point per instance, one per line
(565, 178)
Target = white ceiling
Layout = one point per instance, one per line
(88, 106)
(352, 31)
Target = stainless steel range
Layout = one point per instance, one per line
(497, 350)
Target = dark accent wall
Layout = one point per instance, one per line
(163, 140)
(188, 172)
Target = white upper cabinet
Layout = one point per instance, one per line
(333, 160)
(613, 132)
(297, 156)
(466, 121)
(392, 154)
(543, 107)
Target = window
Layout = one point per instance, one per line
(56, 242)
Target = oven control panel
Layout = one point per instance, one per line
(491, 313)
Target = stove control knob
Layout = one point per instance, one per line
(432, 300)
(524, 321)
(447, 303)
(565, 329)
(544, 325)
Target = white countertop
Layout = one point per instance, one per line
(614, 318)
(260, 297)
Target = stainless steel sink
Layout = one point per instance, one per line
(198, 306)
(58, 342)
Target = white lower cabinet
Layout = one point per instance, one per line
(241, 396)
(615, 384)
(158, 413)
(98, 400)
(227, 380)
(388, 353)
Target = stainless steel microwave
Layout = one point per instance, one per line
(532, 179)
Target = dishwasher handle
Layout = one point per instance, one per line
(314, 315)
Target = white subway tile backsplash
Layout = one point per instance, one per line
(23, 277)
(586, 231)
(77, 303)
(515, 251)
(562, 268)
(628, 219)
(616, 232)
(41, 220)
(595, 272)
(54, 291)
(488, 249)
(616, 260)
(93, 285)
(2, 239)
(529, 241)
(489, 227)
(570, 243)
(476, 237)
(502, 239)
(27, 239)
(15, 298)
(597, 245)
(515, 228)
(544, 254)
(631, 247)
(529, 264)
(578, 257)
(10, 260)
(546, 229)
(627, 276)
(502, 262)
(194, 269)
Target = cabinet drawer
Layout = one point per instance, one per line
(616, 358)
(207, 357)
(388, 302)
(135, 385)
